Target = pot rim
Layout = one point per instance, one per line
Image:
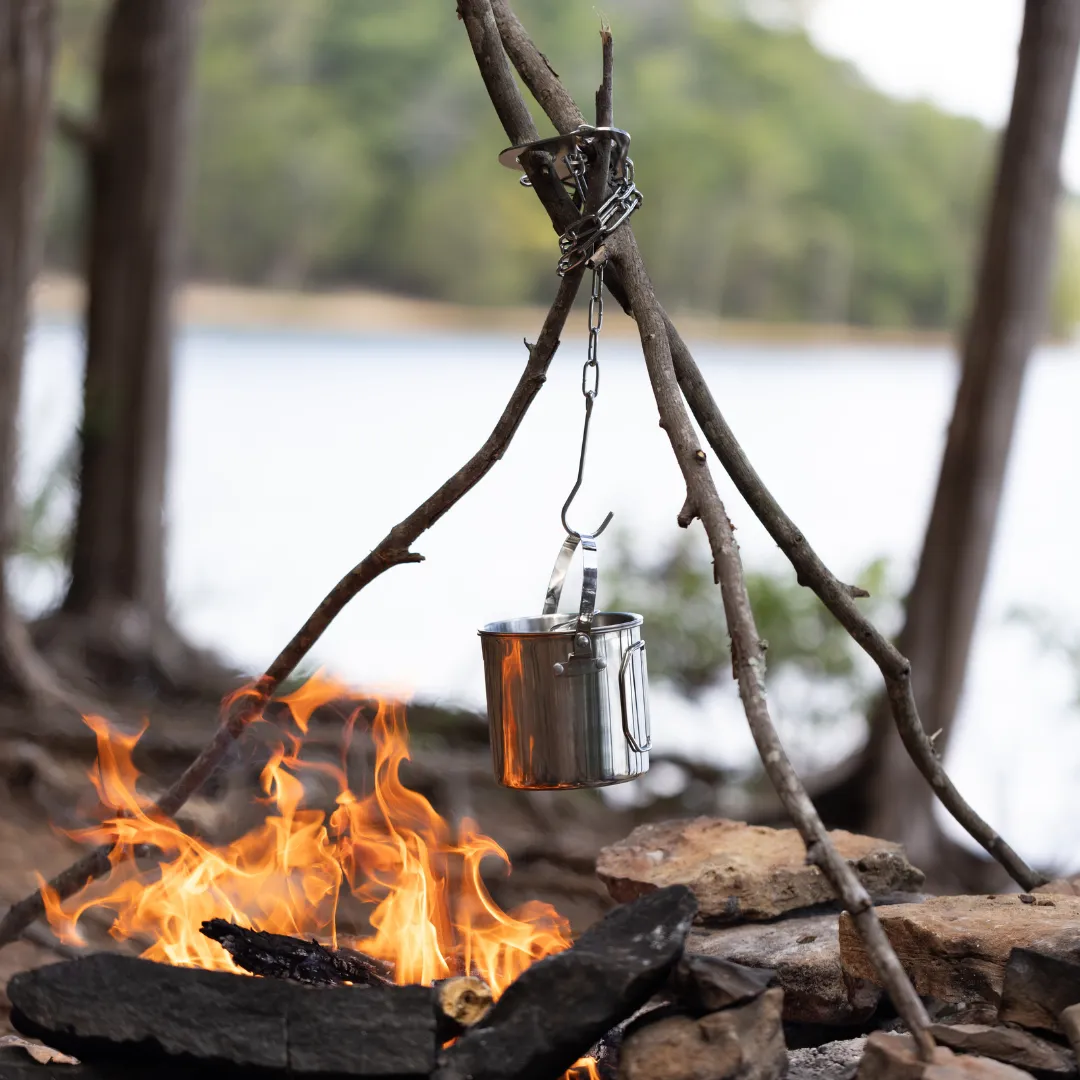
(627, 620)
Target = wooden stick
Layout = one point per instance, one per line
(703, 501)
(810, 570)
(243, 707)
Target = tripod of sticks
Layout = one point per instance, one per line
(498, 41)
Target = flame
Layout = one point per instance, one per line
(431, 914)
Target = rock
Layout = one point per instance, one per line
(1037, 988)
(704, 984)
(834, 1061)
(744, 872)
(893, 1057)
(1011, 1045)
(1070, 1025)
(804, 951)
(109, 1005)
(745, 1042)
(956, 947)
(1066, 886)
(558, 1008)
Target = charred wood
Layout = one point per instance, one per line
(108, 1007)
(277, 956)
(563, 1005)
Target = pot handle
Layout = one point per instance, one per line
(624, 669)
(588, 581)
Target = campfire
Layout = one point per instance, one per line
(431, 915)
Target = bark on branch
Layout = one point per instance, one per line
(810, 570)
(747, 649)
(392, 550)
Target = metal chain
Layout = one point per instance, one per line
(590, 388)
(586, 234)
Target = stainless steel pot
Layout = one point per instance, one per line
(567, 697)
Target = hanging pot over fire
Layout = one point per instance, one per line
(568, 698)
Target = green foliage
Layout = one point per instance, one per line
(352, 143)
(687, 635)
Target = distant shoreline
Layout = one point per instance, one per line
(361, 311)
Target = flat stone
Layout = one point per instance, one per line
(1066, 886)
(704, 984)
(1011, 1045)
(893, 1057)
(107, 1006)
(955, 948)
(834, 1061)
(561, 1006)
(745, 1042)
(742, 872)
(804, 951)
(1037, 988)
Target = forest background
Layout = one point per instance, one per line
(781, 186)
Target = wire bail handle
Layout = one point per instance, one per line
(582, 659)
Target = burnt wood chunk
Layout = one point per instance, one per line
(113, 1007)
(277, 956)
(557, 1009)
(1038, 988)
(705, 984)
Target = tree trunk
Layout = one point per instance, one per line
(116, 599)
(26, 51)
(1007, 319)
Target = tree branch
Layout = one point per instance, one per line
(245, 705)
(811, 572)
(747, 649)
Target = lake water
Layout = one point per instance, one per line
(294, 453)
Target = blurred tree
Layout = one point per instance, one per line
(1009, 314)
(26, 55)
(113, 624)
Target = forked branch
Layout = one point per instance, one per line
(242, 708)
(810, 570)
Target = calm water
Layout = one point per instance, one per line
(294, 453)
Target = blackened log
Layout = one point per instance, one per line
(107, 1006)
(1037, 988)
(277, 956)
(560, 1007)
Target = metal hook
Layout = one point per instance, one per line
(589, 398)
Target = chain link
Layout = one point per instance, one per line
(596, 322)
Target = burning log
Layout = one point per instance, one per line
(107, 1007)
(277, 956)
(558, 1008)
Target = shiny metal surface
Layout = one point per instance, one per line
(568, 698)
(549, 731)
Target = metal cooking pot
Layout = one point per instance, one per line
(567, 698)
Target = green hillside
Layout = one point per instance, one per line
(344, 142)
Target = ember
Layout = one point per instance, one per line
(431, 914)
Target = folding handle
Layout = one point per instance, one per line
(624, 668)
(588, 585)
